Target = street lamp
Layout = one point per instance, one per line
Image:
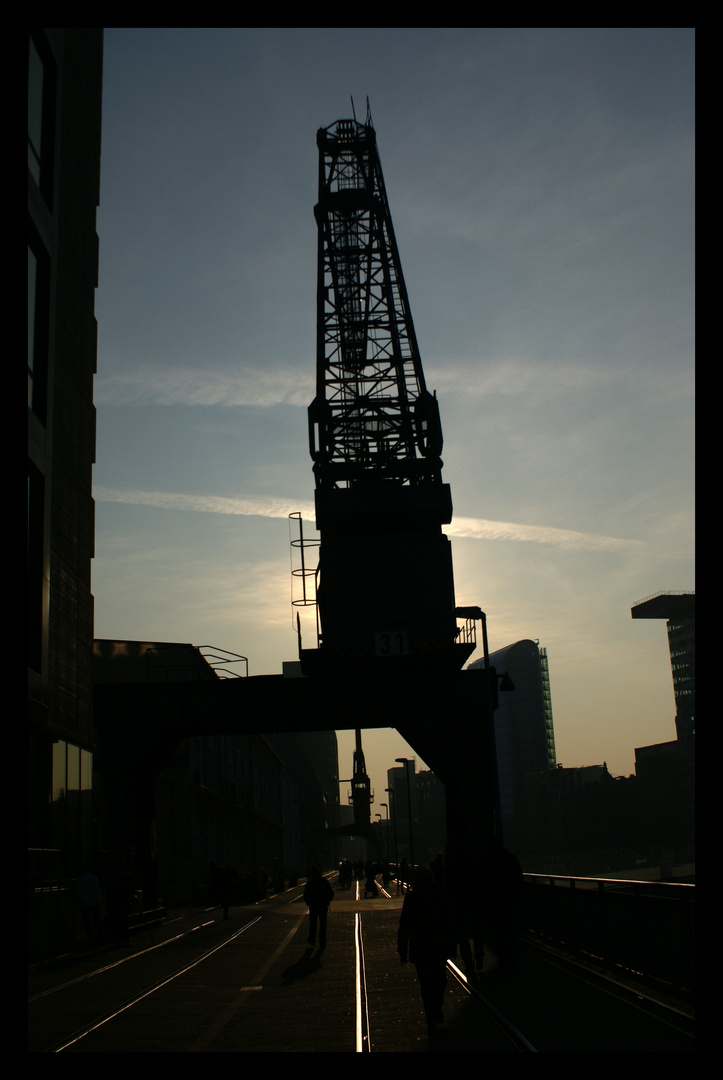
(390, 793)
(406, 763)
(386, 825)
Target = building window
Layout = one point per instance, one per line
(71, 811)
(38, 323)
(41, 113)
(36, 566)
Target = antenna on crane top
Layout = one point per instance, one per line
(369, 113)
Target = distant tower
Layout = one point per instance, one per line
(678, 608)
(361, 793)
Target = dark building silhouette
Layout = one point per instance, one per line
(524, 732)
(64, 137)
(401, 783)
(431, 806)
(585, 821)
(175, 803)
(666, 771)
(678, 609)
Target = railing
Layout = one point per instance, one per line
(663, 592)
(643, 926)
(173, 663)
(227, 665)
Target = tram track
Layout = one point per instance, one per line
(238, 987)
(115, 964)
(623, 989)
(516, 1038)
(136, 999)
(103, 990)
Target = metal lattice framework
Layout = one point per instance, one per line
(373, 420)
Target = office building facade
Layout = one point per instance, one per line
(64, 135)
(524, 732)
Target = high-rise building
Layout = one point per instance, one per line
(678, 609)
(524, 733)
(64, 136)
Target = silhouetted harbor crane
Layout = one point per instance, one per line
(384, 582)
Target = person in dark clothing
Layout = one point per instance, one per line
(318, 894)
(226, 880)
(501, 894)
(426, 938)
(370, 883)
(463, 885)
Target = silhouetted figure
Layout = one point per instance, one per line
(426, 938)
(87, 894)
(214, 883)
(118, 905)
(464, 886)
(370, 883)
(502, 893)
(318, 894)
(226, 880)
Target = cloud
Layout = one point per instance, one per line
(206, 504)
(274, 507)
(250, 387)
(481, 529)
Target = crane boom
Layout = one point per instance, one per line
(385, 589)
(373, 421)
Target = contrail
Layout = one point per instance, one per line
(273, 507)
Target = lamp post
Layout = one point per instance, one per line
(390, 793)
(406, 762)
(386, 825)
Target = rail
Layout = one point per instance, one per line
(643, 926)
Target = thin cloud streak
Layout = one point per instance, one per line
(481, 529)
(250, 387)
(272, 507)
(506, 376)
(206, 504)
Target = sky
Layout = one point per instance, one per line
(541, 185)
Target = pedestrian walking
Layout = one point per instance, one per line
(503, 890)
(463, 885)
(318, 894)
(426, 938)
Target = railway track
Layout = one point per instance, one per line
(252, 984)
